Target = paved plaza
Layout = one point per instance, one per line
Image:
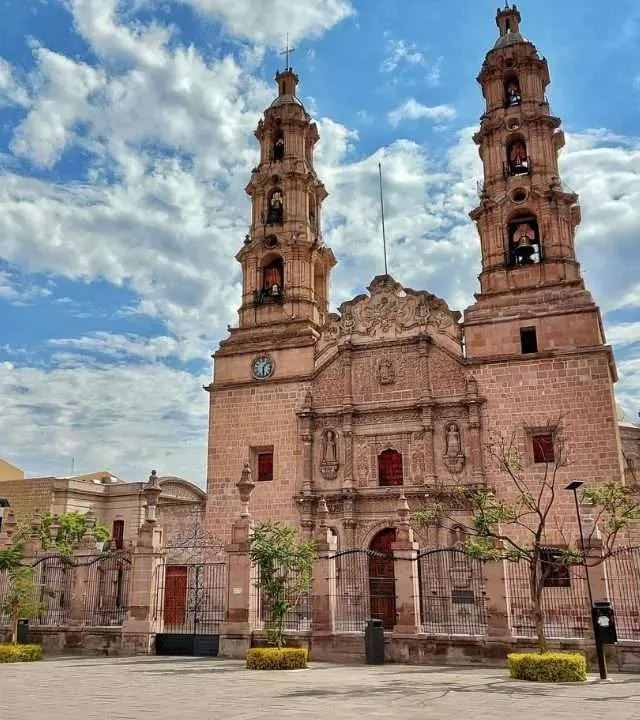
(190, 689)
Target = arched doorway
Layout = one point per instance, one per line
(382, 580)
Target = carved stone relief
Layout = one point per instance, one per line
(329, 464)
(386, 372)
(418, 467)
(362, 462)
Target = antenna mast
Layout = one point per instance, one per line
(384, 234)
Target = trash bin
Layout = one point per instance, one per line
(604, 622)
(23, 631)
(374, 642)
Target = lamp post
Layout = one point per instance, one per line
(602, 663)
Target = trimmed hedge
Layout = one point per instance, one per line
(277, 658)
(20, 653)
(547, 667)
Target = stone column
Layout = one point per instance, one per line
(235, 632)
(81, 605)
(427, 414)
(473, 402)
(497, 600)
(306, 438)
(347, 417)
(405, 553)
(8, 528)
(144, 611)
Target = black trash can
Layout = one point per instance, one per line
(374, 642)
(23, 631)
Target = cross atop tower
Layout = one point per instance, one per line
(287, 52)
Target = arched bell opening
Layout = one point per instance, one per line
(278, 145)
(390, 471)
(273, 278)
(275, 210)
(525, 247)
(512, 93)
(382, 580)
(518, 161)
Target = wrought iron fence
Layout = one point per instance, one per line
(107, 590)
(362, 586)
(564, 604)
(452, 593)
(191, 598)
(297, 617)
(51, 582)
(623, 576)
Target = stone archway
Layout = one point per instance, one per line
(382, 580)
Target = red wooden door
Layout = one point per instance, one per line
(382, 579)
(175, 595)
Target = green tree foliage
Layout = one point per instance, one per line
(19, 599)
(521, 525)
(71, 529)
(285, 566)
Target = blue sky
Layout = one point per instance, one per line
(126, 139)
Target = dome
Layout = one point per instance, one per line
(286, 100)
(511, 38)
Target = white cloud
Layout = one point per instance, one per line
(125, 419)
(11, 91)
(17, 291)
(267, 21)
(130, 346)
(411, 109)
(400, 52)
(624, 334)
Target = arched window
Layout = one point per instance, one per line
(278, 146)
(517, 159)
(512, 93)
(524, 241)
(273, 278)
(275, 212)
(390, 472)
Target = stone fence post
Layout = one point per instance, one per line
(324, 580)
(405, 553)
(235, 632)
(142, 621)
(81, 603)
(497, 599)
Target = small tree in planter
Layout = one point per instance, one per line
(285, 566)
(518, 529)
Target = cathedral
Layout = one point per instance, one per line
(396, 393)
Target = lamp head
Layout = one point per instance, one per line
(574, 485)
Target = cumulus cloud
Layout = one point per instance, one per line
(402, 53)
(11, 90)
(264, 21)
(411, 109)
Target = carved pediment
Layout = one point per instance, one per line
(391, 311)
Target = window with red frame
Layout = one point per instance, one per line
(265, 466)
(543, 448)
(390, 468)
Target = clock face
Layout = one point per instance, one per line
(262, 367)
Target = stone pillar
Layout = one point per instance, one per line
(427, 414)
(144, 613)
(323, 588)
(235, 632)
(473, 402)
(405, 553)
(497, 600)
(347, 417)
(8, 528)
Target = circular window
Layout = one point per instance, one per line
(513, 123)
(519, 195)
(509, 62)
(271, 241)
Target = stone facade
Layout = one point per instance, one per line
(396, 392)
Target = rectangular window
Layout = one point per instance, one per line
(528, 340)
(117, 533)
(555, 573)
(264, 462)
(543, 448)
(390, 472)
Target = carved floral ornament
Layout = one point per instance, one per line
(391, 310)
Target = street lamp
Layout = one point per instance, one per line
(602, 663)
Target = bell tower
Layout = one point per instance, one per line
(285, 267)
(526, 220)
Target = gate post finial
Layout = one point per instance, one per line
(245, 488)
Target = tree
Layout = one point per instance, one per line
(72, 527)
(525, 526)
(285, 566)
(20, 597)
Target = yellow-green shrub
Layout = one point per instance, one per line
(547, 667)
(277, 658)
(20, 653)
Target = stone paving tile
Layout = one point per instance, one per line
(190, 689)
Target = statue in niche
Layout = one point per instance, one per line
(453, 456)
(386, 372)
(329, 464)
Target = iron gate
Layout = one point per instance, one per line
(190, 608)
